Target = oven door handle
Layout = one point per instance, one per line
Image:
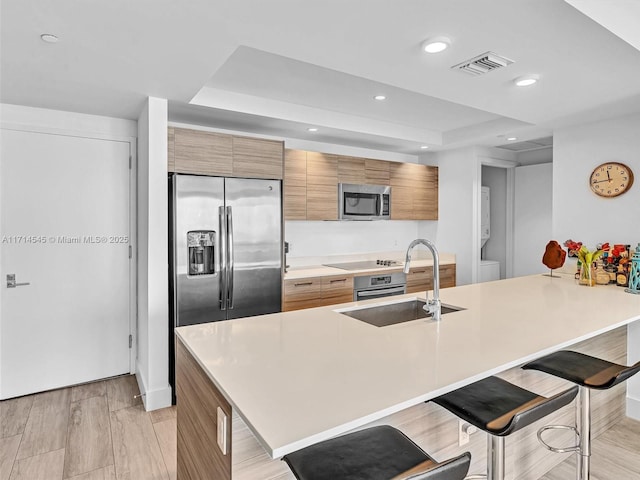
(372, 293)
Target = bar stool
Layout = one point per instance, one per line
(500, 409)
(376, 453)
(588, 373)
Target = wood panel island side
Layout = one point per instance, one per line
(254, 389)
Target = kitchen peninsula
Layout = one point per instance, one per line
(283, 381)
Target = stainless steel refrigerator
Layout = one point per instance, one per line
(226, 248)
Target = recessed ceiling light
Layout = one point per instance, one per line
(424, 147)
(526, 80)
(511, 139)
(380, 97)
(436, 44)
(49, 38)
(312, 129)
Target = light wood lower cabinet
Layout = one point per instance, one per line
(420, 279)
(317, 292)
(199, 456)
(337, 289)
(313, 292)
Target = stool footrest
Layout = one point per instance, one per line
(574, 448)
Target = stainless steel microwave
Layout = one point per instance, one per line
(364, 202)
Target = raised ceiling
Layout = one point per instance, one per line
(281, 66)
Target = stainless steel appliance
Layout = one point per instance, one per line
(377, 286)
(226, 247)
(364, 202)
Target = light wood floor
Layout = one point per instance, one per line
(99, 431)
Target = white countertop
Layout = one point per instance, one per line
(296, 273)
(300, 377)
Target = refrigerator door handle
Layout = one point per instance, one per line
(222, 218)
(230, 255)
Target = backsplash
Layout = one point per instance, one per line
(314, 243)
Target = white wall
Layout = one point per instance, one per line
(496, 247)
(532, 217)
(458, 228)
(152, 367)
(320, 239)
(577, 212)
(583, 216)
(458, 215)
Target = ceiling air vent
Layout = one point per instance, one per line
(482, 64)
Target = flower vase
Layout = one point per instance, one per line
(588, 276)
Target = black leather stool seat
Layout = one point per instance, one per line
(583, 369)
(376, 453)
(499, 407)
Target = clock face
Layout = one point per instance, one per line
(611, 179)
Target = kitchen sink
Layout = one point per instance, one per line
(383, 315)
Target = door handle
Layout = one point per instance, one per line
(11, 281)
(230, 262)
(222, 250)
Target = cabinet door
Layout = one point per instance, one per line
(302, 293)
(204, 153)
(376, 172)
(322, 186)
(425, 205)
(401, 203)
(419, 279)
(257, 158)
(447, 275)
(295, 185)
(351, 170)
(337, 289)
(171, 150)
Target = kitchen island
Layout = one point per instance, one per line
(293, 379)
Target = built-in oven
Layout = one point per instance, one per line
(364, 202)
(380, 285)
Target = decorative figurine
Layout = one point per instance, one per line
(554, 256)
(634, 276)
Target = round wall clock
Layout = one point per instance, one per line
(611, 179)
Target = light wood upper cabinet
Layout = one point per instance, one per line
(257, 158)
(414, 191)
(295, 184)
(376, 172)
(322, 186)
(209, 153)
(204, 153)
(351, 170)
(171, 149)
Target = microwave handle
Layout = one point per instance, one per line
(380, 203)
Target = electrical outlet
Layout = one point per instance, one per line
(222, 431)
(465, 430)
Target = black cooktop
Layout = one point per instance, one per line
(365, 265)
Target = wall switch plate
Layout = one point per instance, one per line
(222, 431)
(465, 430)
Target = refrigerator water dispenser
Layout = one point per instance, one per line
(201, 245)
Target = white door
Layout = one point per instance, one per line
(64, 227)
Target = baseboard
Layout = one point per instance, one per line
(633, 408)
(153, 399)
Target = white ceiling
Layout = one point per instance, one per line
(280, 66)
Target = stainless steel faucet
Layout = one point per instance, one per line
(432, 307)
